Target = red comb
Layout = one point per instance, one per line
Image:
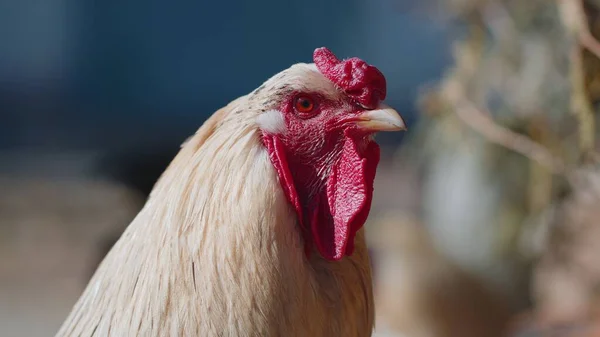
(362, 82)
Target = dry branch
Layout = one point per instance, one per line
(482, 123)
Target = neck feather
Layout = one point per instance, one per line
(217, 248)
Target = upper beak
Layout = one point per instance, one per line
(383, 118)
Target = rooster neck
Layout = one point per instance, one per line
(217, 251)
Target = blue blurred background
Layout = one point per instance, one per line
(136, 75)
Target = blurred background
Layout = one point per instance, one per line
(485, 219)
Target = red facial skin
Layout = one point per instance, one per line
(326, 166)
(325, 163)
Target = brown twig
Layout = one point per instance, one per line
(586, 39)
(495, 133)
(589, 42)
(575, 20)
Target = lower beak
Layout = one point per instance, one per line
(383, 118)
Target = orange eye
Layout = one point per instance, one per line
(304, 104)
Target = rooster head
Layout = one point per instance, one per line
(317, 122)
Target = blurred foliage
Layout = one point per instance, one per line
(420, 293)
(503, 142)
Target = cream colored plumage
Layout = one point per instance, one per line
(216, 250)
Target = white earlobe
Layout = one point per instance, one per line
(271, 121)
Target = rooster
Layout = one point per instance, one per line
(255, 228)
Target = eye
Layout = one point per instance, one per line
(304, 104)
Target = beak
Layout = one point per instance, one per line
(383, 118)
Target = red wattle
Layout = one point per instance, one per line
(349, 192)
(330, 217)
(278, 158)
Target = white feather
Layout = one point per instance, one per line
(271, 121)
(306, 76)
